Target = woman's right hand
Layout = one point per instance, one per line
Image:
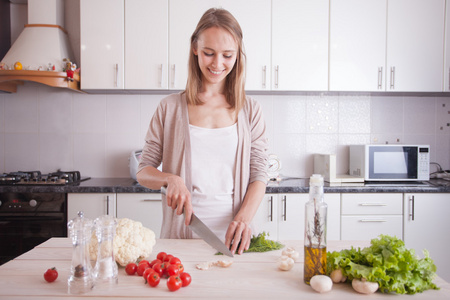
(178, 197)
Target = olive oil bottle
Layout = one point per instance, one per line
(315, 240)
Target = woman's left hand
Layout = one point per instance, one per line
(238, 235)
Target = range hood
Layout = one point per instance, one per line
(41, 49)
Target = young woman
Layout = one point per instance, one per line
(210, 140)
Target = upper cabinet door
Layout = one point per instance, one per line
(254, 19)
(102, 44)
(415, 43)
(447, 50)
(300, 45)
(357, 45)
(146, 44)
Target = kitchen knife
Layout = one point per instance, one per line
(205, 233)
(208, 236)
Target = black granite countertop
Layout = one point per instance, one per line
(128, 185)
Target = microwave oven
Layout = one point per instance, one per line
(390, 162)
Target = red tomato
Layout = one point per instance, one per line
(174, 261)
(161, 256)
(153, 279)
(131, 268)
(144, 261)
(141, 268)
(154, 262)
(157, 267)
(180, 268)
(51, 274)
(168, 257)
(185, 279)
(172, 270)
(174, 283)
(147, 272)
(164, 267)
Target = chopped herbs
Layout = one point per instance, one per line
(261, 244)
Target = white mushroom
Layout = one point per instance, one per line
(220, 263)
(337, 276)
(285, 263)
(321, 283)
(289, 251)
(364, 287)
(204, 266)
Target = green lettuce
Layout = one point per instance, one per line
(388, 262)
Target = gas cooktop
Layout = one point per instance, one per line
(37, 178)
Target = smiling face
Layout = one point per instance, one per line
(216, 51)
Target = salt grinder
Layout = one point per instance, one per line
(105, 271)
(81, 279)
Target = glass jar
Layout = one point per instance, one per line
(105, 271)
(315, 240)
(81, 279)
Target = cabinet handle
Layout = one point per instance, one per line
(373, 204)
(173, 75)
(160, 75)
(116, 77)
(284, 208)
(150, 200)
(411, 210)
(277, 69)
(264, 77)
(449, 79)
(107, 205)
(271, 208)
(380, 78)
(372, 220)
(392, 78)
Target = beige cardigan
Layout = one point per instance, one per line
(168, 142)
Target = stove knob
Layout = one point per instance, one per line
(33, 203)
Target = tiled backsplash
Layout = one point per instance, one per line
(45, 129)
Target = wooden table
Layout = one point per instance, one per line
(252, 275)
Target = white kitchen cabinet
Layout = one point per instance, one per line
(415, 43)
(283, 216)
(92, 205)
(102, 44)
(254, 19)
(299, 45)
(447, 49)
(143, 207)
(357, 45)
(427, 224)
(146, 44)
(366, 216)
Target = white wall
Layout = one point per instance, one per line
(43, 128)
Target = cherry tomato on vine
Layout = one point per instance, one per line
(131, 268)
(174, 283)
(51, 274)
(147, 272)
(172, 270)
(168, 257)
(157, 267)
(174, 261)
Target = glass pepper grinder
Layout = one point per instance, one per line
(105, 271)
(315, 240)
(81, 279)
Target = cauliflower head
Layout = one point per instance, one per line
(132, 241)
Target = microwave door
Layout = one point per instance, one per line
(393, 163)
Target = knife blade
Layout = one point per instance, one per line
(208, 236)
(205, 233)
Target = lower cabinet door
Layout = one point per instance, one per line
(92, 205)
(143, 207)
(367, 227)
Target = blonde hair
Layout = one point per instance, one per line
(235, 81)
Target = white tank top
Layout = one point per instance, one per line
(213, 167)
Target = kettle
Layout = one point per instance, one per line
(133, 162)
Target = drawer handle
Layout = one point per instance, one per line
(284, 208)
(373, 204)
(372, 220)
(148, 200)
(271, 209)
